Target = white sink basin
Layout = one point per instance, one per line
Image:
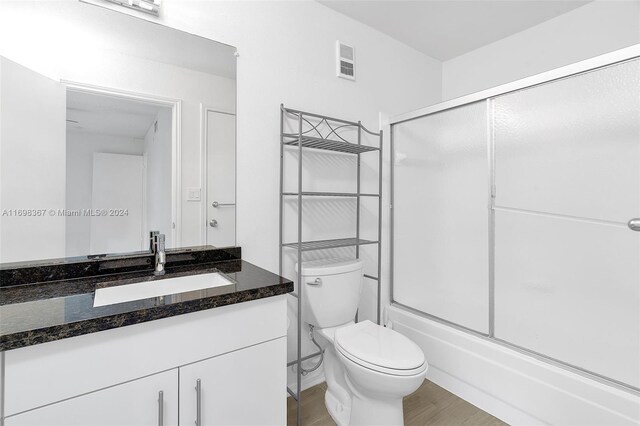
(149, 289)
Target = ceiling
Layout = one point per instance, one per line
(446, 29)
(109, 115)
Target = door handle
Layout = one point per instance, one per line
(634, 224)
(217, 204)
(213, 223)
(198, 403)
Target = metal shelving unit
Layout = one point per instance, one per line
(323, 133)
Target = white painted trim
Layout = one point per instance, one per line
(176, 175)
(144, 239)
(204, 130)
(176, 142)
(513, 386)
(607, 59)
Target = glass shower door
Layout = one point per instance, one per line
(567, 176)
(441, 178)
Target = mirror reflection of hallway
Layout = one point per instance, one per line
(118, 161)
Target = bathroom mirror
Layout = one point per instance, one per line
(111, 126)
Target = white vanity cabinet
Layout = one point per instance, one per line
(134, 403)
(113, 377)
(239, 388)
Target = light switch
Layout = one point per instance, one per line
(193, 194)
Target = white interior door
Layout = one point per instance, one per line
(32, 164)
(117, 203)
(567, 168)
(221, 179)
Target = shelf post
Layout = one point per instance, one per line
(358, 195)
(379, 225)
(300, 289)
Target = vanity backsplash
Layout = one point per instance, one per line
(20, 273)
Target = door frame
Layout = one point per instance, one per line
(176, 141)
(204, 130)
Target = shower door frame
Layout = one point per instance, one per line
(487, 95)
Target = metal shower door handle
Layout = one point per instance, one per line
(634, 224)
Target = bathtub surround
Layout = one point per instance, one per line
(537, 354)
(65, 292)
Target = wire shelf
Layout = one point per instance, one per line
(326, 144)
(329, 194)
(327, 244)
(324, 133)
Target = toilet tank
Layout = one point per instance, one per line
(331, 291)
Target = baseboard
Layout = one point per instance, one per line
(517, 388)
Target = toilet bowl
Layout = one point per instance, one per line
(368, 368)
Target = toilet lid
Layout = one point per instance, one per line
(377, 346)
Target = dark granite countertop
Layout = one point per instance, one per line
(52, 302)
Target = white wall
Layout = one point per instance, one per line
(79, 181)
(157, 148)
(596, 28)
(287, 55)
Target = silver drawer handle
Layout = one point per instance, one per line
(634, 224)
(317, 281)
(213, 223)
(160, 408)
(198, 403)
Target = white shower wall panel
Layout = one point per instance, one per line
(570, 289)
(441, 216)
(572, 147)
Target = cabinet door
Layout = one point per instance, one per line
(244, 387)
(133, 403)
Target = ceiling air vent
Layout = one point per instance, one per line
(346, 61)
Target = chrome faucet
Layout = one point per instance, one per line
(156, 240)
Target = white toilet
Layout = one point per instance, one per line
(368, 368)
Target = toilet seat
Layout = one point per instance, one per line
(380, 349)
